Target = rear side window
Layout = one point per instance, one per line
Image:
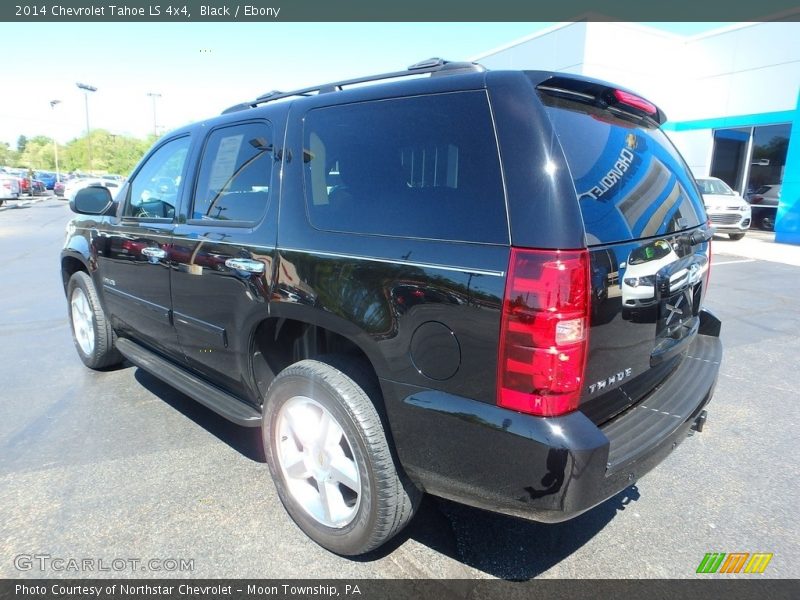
(423, 167)
(630, 180)
(235, 173)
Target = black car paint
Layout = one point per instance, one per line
(451, 438)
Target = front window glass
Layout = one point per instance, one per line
(154, 190)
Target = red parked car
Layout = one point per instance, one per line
(25, 186)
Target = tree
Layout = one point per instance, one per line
(39, 154)
(8, 157)
(111, 153)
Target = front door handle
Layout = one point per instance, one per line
(154, 252)
(245, 264)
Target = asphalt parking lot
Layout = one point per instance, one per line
(109, 465)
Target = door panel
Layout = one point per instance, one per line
(223, 255)
(216, 306)
(136, 282)
(133, 249)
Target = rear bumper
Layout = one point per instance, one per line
(546, 469)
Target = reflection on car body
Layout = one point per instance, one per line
(638, 282)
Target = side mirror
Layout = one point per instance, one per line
(92, 200)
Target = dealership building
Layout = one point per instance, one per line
(732, 95)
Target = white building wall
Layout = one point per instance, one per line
(695, 147)
(561, 48)
(637, 57)
(749, 68)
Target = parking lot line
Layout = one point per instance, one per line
(732, 262)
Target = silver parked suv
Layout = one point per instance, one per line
(727, 210)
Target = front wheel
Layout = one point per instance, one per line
(329, 456)
(92, 333)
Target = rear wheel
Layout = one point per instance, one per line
(768, 222)
(92, 333)
(330, 459)
(736, 236)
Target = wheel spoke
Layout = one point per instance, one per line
(326, 499)
(325, 424)
(294, 465)
(298, 422)
(290, 430)
(330, 434)
(344, 471)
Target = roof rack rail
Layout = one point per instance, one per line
(434, 66)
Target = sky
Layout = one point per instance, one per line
(199, 69)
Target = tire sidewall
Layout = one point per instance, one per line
(349, 539)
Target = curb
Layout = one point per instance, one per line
(10, 204)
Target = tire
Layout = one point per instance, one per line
(736, 236)
(369, 500)
(91, 331)
(768, 223)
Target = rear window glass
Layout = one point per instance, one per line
(424, 167)
(630, 180)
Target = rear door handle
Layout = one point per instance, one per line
(245, 264)
(154, 252)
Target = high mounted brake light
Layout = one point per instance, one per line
(635, 101)
(544, 331)
(599, 94)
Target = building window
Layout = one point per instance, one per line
(748, 158)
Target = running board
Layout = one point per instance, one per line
(209, 396)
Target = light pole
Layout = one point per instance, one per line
(86, 89)
(55, 143)
(154, 95)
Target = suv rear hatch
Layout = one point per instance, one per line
(646, 233)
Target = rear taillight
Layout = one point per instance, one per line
(544, 331)
(635, 101)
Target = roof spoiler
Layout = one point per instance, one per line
(602, 94)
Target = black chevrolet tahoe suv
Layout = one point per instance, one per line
(485, 285)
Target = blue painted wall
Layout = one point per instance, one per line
(787, 222)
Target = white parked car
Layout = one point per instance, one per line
(727, 210)
(73, 185)
(639, 276)
(9, 187)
